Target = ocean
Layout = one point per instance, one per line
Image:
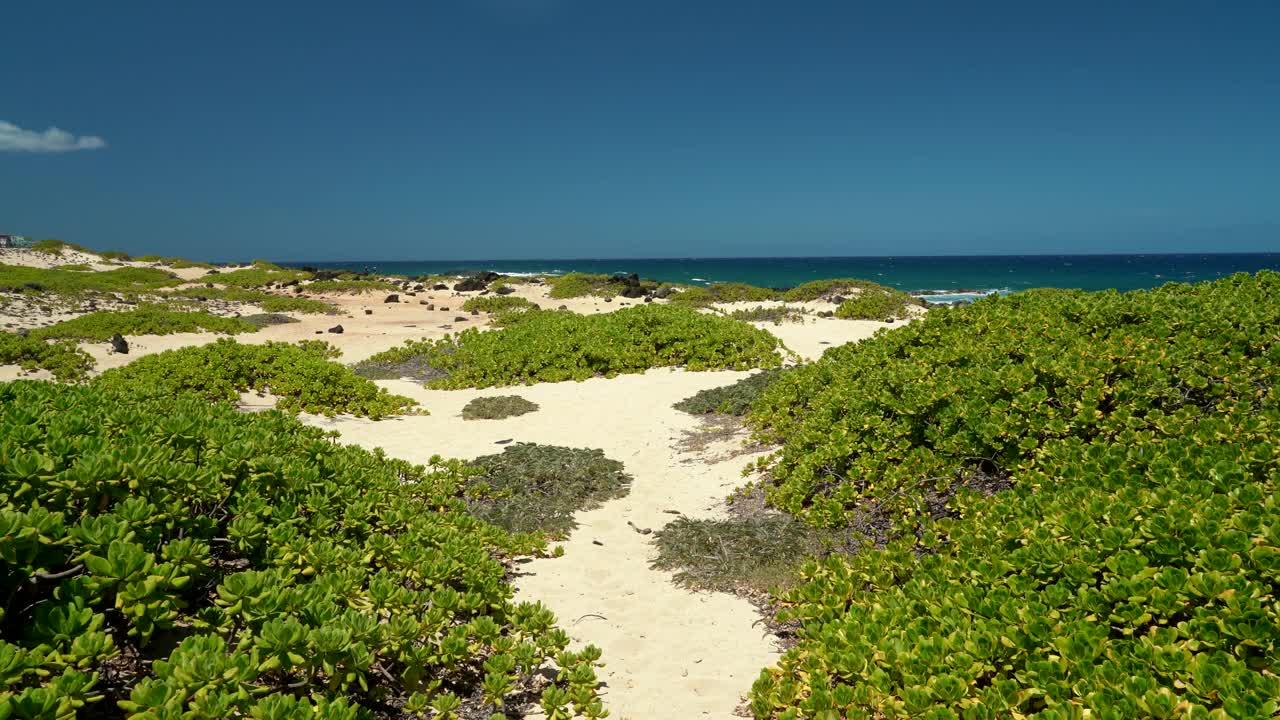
(961, 277)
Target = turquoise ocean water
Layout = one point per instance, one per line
(954, 274)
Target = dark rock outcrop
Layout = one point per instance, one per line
(119, 344)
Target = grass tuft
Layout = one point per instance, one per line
(497, 407)
(735, 399)
(538, 488)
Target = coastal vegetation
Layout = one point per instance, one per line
(557, 346)
(350, 287)
(302, 376)
(776, 314)
(1068, 506)
(23, 279)
(504, 309)
(163, 557)
(269, 302)
(67, 362)
(735, 399)
(497, 407)
(572, 285)
(878, 303)
(147, 319)
(260, 274)
(728, 292)
(530, 488)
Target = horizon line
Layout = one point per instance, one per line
(775, 257)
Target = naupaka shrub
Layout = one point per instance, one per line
(302, 375)
(64, 359)
(989, 385)
(557, 346)
(163, 557)
(1132, 571)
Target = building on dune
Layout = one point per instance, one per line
(14, 241)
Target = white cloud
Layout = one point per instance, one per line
(52, 140)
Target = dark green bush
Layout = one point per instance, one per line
(497, 408)
(735, 399)
(538, 488)
(166, 558)
(302, 375)
(262, 320)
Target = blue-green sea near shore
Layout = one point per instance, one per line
(959, 276)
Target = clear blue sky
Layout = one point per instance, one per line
(616, 128)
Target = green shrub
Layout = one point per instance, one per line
(497, 408)
(537, 488)
(1140, 578)
(257, 276)
(998, 379)
(17, 278)
(269, 302)
(497, 303)
(114, 255)
(829, 288)
(1130, 572)
(735, 399)
(722, 293)
(66, 361)
(878, 304)
(350, 287)
(505, 309)
(142, 320)
(301, 375)
(572, 285)
(557, 346)
(76, 267)
(181, 263)
(776, 315)
(260, 569)
(56, 247)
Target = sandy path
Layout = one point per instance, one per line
(669, 652)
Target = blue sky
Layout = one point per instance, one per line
(609, 128)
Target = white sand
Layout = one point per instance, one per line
(669, 652)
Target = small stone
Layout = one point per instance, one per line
(367, 311)
(475, 312)
(563, 307)
(336, 329)
(392, 298)
(119, 344)
(460, 318)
